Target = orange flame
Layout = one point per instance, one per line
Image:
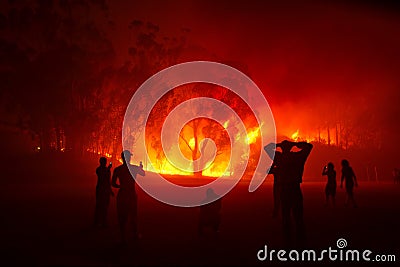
(295, 135)
(252, 135)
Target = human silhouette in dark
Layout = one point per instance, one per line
(103, 193)
(210, 214)
(276, 191)
(350, 180)
(330, 188)
(290, 168)
(126, 198)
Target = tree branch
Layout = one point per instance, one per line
(186, 142)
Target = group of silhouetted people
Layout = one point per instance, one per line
(287, 168)
(348, 176)
(126, 198)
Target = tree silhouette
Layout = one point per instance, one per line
(58, 69)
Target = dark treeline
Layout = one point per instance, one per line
(60, 81)
(64, 86)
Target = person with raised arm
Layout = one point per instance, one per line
(290, 167)
(126, 198)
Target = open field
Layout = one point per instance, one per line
(47, 220)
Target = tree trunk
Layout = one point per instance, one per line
(195, 153)
(337, 135)
(329, 137)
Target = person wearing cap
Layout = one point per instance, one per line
(126, 198)
(290, 170)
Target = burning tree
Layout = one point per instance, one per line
(195, 136)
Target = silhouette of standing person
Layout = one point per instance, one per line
(103, 193)
(126, 198)
(330, 188)
(290, 168)
(350, 180)
(210, 214)
(276, 191)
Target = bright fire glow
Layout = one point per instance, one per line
(331, 136)
(226, 124)
(252, 135)
(295, 135)
(192, 143)
(165, 167)
(206, 142)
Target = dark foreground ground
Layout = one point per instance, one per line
(47, 213)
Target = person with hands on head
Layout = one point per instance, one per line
(290, 167)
